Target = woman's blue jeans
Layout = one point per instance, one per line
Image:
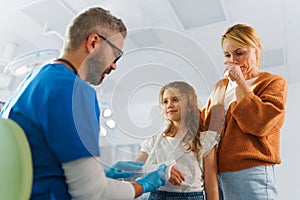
(256, 183)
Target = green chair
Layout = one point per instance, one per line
(15, 162)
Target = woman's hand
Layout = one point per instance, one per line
(233, 71)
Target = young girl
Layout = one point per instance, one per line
(188, 150)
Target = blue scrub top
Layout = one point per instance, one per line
(60, 115)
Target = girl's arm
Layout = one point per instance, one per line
(142, 156)
(210, 175)
(176, 177)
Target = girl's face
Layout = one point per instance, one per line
(174, 104)
(245, 57)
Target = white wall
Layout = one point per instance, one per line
(288, 177)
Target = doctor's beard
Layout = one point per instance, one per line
(96, 70)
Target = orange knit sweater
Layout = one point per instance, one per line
(250, 131)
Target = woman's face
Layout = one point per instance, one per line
(245, 57)
(174, 104)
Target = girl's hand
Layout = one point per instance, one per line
(176, 177)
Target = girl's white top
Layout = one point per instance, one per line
(164, 149)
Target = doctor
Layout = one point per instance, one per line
(58, 110)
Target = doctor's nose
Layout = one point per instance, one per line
(113, 66)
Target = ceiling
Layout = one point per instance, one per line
(167, 40)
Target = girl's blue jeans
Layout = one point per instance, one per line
(163, 195)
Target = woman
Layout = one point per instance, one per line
(188, 150)
(253, 111)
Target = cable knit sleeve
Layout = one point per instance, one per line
(263, 110)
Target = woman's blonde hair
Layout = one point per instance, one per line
(192, 118)
(243, 35)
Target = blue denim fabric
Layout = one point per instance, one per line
(256, 183)
(162, 195)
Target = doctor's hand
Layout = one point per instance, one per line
(122, 169)
(153, 180)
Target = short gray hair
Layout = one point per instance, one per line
(93, 20)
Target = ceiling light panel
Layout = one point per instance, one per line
(144, 37)
(37, 10)
(197, 13)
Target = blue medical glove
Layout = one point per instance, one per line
(153, 180)
(122, 169)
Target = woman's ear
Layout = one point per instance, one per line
(256, 51)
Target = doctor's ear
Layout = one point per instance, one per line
(91, 42)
